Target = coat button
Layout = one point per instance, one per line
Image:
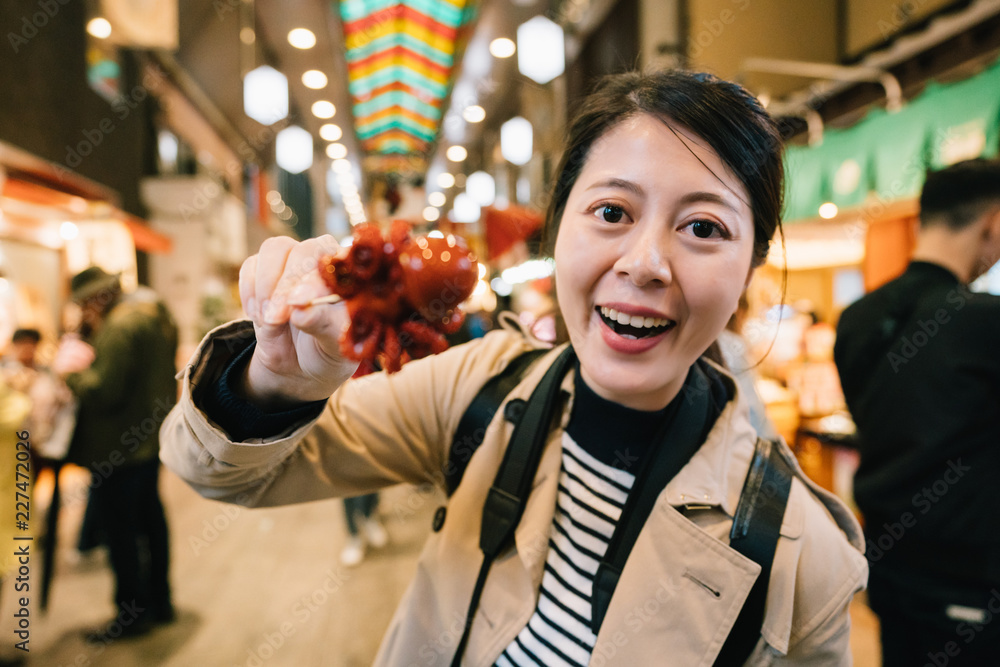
(514, 410)
(439, 518)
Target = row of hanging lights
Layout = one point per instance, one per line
(265, 99)
(540, 50)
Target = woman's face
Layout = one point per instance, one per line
(652, 254)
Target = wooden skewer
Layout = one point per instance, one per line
(329, 298)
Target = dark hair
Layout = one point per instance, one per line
(32, 335)
(958, 195)
(724, 114)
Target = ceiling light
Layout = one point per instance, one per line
(515, 140)
(314, 79)
(336, 151)
(99, 27)
(273, 197)
(445, 180)
(301, 38)
(341, 166)
(247, 35)
(436, 199)
(456, 153)
(294, 149)
(828, 210)
(474, 114)
(501, 47)
(465, 209)
(265, 95)
(323, 109)
(68, 231)
(532, 269)
(167, 147)
(331, 132)
(541, 50)
(436, 234)
(481, 187)
(431, 214)
(501, 287)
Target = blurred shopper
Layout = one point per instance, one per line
(363, 527)
(125, 387)
(734, 354)
(919, 361)
(53, 412)
(23, 349)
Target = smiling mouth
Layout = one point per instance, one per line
(634, 326)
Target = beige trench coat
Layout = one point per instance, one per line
(682, 587)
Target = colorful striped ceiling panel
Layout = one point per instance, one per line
(383, 163)
(400, 62)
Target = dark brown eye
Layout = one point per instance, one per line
(612, 213)
(703, 229)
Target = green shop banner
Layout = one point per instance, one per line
(885, 156)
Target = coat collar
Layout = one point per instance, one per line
(715, 475)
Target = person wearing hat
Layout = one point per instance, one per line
(124, 384)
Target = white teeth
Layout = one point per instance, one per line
(636, 321)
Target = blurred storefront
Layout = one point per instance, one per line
(851, 217)
(54, 224)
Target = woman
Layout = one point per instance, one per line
(667, 197)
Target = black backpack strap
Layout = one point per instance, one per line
(512, 485)
(472, 427)
(691, 416)
(755, 532)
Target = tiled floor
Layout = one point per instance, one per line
(255, 588)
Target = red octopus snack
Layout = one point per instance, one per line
(402, 294)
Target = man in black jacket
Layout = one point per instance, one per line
(919, 361)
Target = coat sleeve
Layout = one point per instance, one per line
(375, 431)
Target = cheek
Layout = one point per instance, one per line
(712, 293)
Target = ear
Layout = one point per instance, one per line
(989, 248)
(993, 224)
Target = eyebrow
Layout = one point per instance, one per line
(710, 197)
(618, 183)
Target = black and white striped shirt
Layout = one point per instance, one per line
(590, 501)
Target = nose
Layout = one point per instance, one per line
(645, 257)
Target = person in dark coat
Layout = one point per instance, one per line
(124, 383)
(920, 367)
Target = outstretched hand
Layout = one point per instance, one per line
(297, 357)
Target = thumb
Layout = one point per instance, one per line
(325, 322)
